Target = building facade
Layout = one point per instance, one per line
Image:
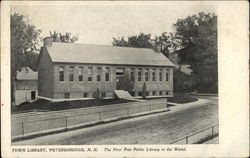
(74, 71)
(26, 86)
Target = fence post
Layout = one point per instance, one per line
(100, 116)
(66, 122)
(22, 129)
(186, 140)
(212, 133)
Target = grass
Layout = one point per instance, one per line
(178, 98)
(42, 104)
(207, 138)
(182, 99)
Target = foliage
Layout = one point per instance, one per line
(24, 38)
(207, 138)
(140, 41)
(197, 35)
(183, 83)
(97, 94)
(42, 104)
(182, 99)
(66, 38)
(144, 90)
(129, 82)
(195, 41)
(162, 43)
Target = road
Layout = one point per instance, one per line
(161, 128)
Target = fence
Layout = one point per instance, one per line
(200, 136)
(64, 122)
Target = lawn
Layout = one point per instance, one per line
(178, 98)
(182, 99)
(42, 104)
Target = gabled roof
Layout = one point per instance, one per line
(27, 74)
(100, 54)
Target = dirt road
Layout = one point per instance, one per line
(161, 128)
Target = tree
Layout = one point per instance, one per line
(120, 42)
(163, 42)
(66, 38)
(197, 36)
(140, 41)
(24, 38)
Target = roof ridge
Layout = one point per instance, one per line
(102, 45)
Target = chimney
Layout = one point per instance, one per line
(47, 41)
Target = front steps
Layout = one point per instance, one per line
(122, 94)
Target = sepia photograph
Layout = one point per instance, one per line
(113, 75)
(125, 78)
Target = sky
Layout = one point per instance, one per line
(99, 23)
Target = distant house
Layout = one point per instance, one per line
(174, 57)
(26, 86)
(73, 71)
(184, 81)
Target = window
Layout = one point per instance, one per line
(146, 75)
(132, 74)
(154, 93)
(119, 72)
(33, 95)
(90, 71)
(61, 73)
(80, 74)
(98, 74)
(167, 76)
(147, 93)
(167, 92)
(107, 74)
(71, 74)
(160, 93)
(139, 93)
(153, 75)
(139, 75)
(160, 75)
(66, 95)
(85, 95)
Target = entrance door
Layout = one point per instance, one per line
(33, 95)
(120, 84)
(120, 80)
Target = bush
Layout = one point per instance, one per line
(144, 90)
(97, 95)
(181, 99)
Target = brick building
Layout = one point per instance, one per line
(74, 71)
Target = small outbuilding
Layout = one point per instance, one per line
(26, 86)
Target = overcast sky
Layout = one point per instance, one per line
(97, 24)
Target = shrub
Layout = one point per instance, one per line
(144, 90)
(97, 94)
